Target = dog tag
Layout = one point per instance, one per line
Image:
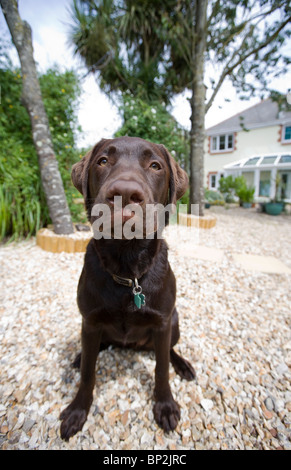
(139, 300)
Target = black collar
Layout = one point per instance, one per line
(139, 298)
(123, 280)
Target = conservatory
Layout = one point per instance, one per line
(265, 173)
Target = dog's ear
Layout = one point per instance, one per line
(179, 180)
(80, 170)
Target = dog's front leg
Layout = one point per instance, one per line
(75, 415)
(166, 410)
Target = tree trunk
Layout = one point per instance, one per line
(32, 100)
(197, 133)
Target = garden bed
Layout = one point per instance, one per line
(74, 243)
(206, 222)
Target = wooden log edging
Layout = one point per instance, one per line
(205, 222)
(49, 241)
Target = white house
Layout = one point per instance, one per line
(255, 143)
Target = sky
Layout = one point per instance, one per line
(97, 114)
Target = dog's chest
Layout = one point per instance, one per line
(126, 330)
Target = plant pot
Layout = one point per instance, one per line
(273, 208)
(247, 205)
(207, 205)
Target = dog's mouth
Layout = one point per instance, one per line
(122, 213)
(117, 200)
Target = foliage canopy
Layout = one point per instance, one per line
(148, 48)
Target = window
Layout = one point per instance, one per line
(285, 159)
(285, 187)
(212, 181)
(230, 141)
(249, 177)
(221, 143)
(252, 161)
(265, 183)
(214, 143)
(286, 134)
(268, 160)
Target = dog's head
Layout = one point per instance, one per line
(129, 172)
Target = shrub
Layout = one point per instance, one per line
(23, 208)
(231, 187)
(227, 188)
(213, 197)
(245, 194)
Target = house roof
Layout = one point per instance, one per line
(263, 114)
(279, 160)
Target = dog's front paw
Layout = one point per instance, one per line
(73, 420)
(167, 414)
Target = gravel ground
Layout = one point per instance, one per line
(235, 329)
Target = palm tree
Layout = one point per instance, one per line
(122, 43)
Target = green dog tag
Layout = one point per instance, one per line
(139, 300)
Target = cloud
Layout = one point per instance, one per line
(98, 117)
(50, 48)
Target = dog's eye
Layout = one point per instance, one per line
(155, 166)
(102, 161)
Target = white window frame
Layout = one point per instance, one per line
(283, 140)
(218, 137)
(213, 175)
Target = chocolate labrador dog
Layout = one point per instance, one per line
(126, 292)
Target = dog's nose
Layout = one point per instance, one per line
(130, 191)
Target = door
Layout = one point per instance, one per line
(285, 184)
